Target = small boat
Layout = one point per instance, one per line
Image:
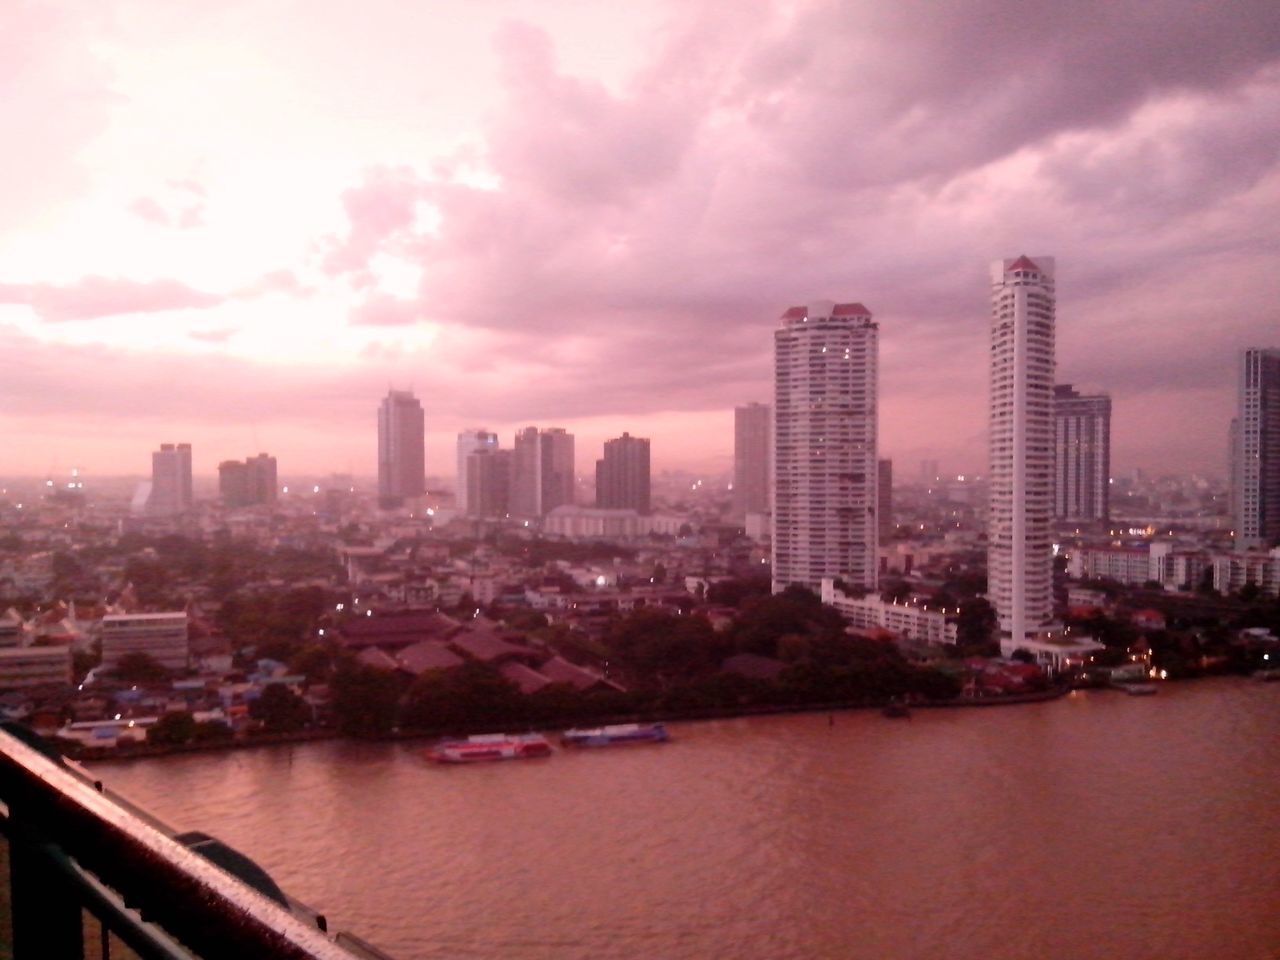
(490, 746)
(896, 710)
(1140, 689)
(615, 735)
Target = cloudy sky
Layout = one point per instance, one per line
(236, 224)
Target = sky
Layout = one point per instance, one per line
(237, 224)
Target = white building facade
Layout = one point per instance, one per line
(1019, 541)
(161, 636)
(910, 621)
(825, 439)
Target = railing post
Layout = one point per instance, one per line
(47, 920)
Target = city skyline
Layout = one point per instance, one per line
(594, 232)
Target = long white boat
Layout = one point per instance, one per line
(490, 746)
(615, 735)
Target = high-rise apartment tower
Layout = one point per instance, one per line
(622, 474)
(170, 479)
(825, 470)
(541, 471)
(751, 459)
(401, 454)
(1256, 464)
(469, 442)
(1082, 455)
(1019, 547)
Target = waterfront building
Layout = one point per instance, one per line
(1019, 547)
(162, 636)
(488, 488)
(22, 667)
(825, 465)
(622, 475)
(1082, 455)
(170, 480)
(469, 442)
(751, 459)
(541, 471)
(401, 449)
(910, 621)
(1256, 461)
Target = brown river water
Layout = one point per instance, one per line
(1098, 825)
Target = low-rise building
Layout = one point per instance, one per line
(162, 636)
(910, 621)
(22, 667)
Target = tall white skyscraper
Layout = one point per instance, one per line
(751, 459)
(1082, 455)
(1019, 544)
(469, 442)
(1256, 441)
(401, 442)
(542, 471)
(825, 375)
(170, 479)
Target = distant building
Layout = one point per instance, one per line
(910, 621)
(884, 498)
(542, 468)
(1256, 464)
(1019, 541)
(488, 475)
(622, 475)
(825, 471)
(247, 484)
(469, 442)
(751, 459)
(22, 667)
(162, 636)
(1082, 455)
(401, 449)
(596, 522)
(170, 480)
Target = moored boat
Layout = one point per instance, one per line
(1140, 689)
(616, 735)
(491, 746)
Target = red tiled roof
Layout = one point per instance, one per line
(850, 310)
(397, 631)
(559, 670)
(487, 645)
(526, 678)
(795, 313)
(427, 655)
(1024, 263)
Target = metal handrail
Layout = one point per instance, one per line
(54, 814)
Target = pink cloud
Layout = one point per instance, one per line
(386, 311)
(147, 209)
(377, 210)
(94, 297)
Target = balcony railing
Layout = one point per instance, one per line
(77, 850)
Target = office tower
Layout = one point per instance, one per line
(247, 484)
(884, 499)
(233, 483)
(263, 478)
(170, 479)
(825, 469)
(751, 459)
(1256, 475)
(1082, 455)
(541, 471)
(401, 438)
(469, 441)
(622, 475)
(488, 473)
(1019, 549)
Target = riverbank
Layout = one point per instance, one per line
(145, 750)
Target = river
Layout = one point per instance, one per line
(1098, 825)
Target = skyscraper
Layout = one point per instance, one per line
(825, 472)
(488, 473)
(469, 441)
(170, 479)
(1082, 455)
(542, 465)
(401, 457)
(751, 459)
(622, 475)
(884, 499)
(1256, 473)
(262, 478)
(1019, 548)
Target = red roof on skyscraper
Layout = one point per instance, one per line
(1024, 263)
(850, 310)
(794, 313)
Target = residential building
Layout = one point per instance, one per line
(401, 445)
(884, 498)
(170, 480)
(1082, 455)
(1256, 475)
(162, 636)
(622, 475)
(22, 667)
(751, 459)
(1019, 547)
(469, 442)
(910, 621)
(247, 484)
(825, 469)
(596, 523)
(541, 471)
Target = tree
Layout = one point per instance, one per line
(280, 710)
(140, 668)
(1022, 656)
(173, 728)
(365, 699)
(975, 623)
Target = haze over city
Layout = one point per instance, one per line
(236, 225)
